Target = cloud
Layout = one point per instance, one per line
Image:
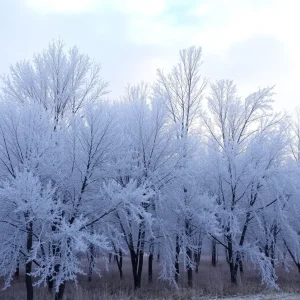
(256, 59)
(253, 41)
(62, 6)
(130, 7)
(138, 7)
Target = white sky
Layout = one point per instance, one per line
(254, 42)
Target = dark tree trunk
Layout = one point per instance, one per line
(121, 263)
(214, 253)
(59, 295)
(137, 282)
(266, 250)
(238, 264)
(119, 259)
(241, 267)
(196, 262)
(91, 262)
(135, 269)
(189, 252)
(177, 259)
(91, 258)
(17, 272)
(150, 269)
(28, 280)
(197, 255)
(233, 273)
(56, 252)
(273, 255)
(50, 283)
(137, 257)
(109, 257)
(233, 276)
(140, 267)
(28, 265)
(190, 269)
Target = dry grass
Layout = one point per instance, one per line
(209, 282)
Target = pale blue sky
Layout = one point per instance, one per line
(254, 42)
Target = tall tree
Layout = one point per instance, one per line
(182, 90)
(247, 145)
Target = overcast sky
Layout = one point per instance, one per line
(254, 42)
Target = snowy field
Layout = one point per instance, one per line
(284, 296)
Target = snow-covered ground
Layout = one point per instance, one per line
(267, 297)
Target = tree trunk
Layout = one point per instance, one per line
(266, 250)
(28, 265)
(49, 279)
(136, 269)
(214, 253)
(177, 259)
(232, 273)
(273, 246)
(190, 269)
(91, 258)
(137, 282)
(189, 251)
(59, 295)
(241, 267)
(140, 267)
(238, 264)
(150, 269)
(137, 258)
(233, 276)
(272, 254)
(120, 263)
(28, 280)
(91, 262)
(17, 272)
(197, 255)
(196, 262)
(50, 283)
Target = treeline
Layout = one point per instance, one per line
(170, 164)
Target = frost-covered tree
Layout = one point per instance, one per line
(154, 173)
(62, 82)
(182, 91)
(27, 144)
(43, 132)
(246, 147)
(27, 209)
(142, 167)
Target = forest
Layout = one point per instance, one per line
(91, 184)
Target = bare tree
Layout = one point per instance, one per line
(235, 131)
(61, 82)
(182, 90)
